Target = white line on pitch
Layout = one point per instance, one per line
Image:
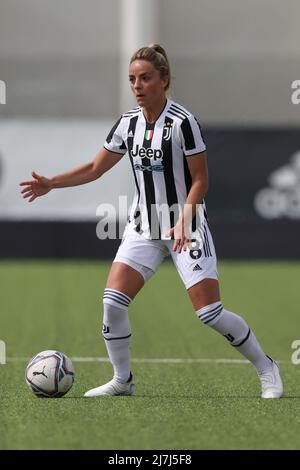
(169, 360)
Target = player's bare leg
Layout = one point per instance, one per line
(205, 297)
(124, 278)
(122, 285)
(204, 293)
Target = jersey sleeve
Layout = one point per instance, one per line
(115, 139)
(191, 137)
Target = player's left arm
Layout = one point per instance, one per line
(199, 173)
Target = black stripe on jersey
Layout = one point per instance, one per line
(175, 114)
(123, 146)
(131, 113)
(204, 246)
(205, 214)
(110, 135)
(179, 109)
(166, 146)
(131, 129)
(187, 176)
(188, 135)
(206, 252)
(149, 189)
(180, 113)
(188, 184)
(207, 242)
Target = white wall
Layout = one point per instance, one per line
(50, 147)
(233, 61)
(58, 28)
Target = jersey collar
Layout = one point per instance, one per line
(160, 117)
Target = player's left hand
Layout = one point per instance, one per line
(182, 237)
(37, 187)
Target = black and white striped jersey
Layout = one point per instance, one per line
(157, 153)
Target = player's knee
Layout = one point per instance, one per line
(144, 271)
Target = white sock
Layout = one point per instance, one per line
(237, 332)
(116, 332)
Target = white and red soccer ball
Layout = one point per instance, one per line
(50, 374)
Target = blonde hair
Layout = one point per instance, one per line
(155, 54)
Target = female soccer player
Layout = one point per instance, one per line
(168, 157)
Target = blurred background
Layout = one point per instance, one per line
(65, 63)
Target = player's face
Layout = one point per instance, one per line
(146, 83)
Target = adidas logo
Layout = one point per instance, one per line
(282, 197)
(197, 268)
(130, 134)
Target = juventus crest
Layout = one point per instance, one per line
(167, 131)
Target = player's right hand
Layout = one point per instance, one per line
(39, 186)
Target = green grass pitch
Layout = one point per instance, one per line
(57, 305)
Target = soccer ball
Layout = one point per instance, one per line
(50, 374)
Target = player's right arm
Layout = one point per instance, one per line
(40, 185)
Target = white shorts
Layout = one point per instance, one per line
(192, 265)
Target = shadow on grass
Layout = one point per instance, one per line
(216, 397)
(174, 397)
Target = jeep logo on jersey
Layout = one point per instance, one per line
(146, 153)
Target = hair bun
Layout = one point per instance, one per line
(158, 49)
(155, 46)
